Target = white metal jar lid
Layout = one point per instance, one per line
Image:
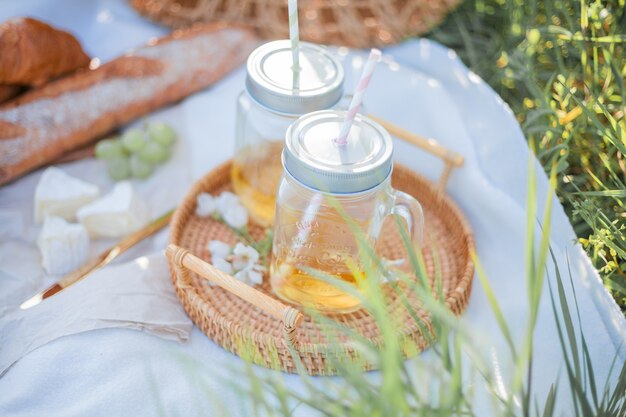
(271, 81)
(312, 157)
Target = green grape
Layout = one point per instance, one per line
(118, 168)
(133, 140)
(139, 168)
(109, 148)
(153, 153)
(161, 133)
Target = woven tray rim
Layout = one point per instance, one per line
(313, 355)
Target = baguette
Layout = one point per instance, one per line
(7, 92)
(43, 124)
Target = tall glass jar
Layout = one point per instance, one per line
(274, 97)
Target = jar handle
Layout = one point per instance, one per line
(409, 209)
(181, 258)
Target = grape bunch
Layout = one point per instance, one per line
(137, 152)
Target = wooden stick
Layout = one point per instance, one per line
(182, 258)
(429, 145)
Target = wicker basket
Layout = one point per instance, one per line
(354, 23)
(252, 323)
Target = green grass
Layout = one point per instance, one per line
(560, 65)
(444, 383)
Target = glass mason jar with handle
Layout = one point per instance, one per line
(323, 185)
(274, 97)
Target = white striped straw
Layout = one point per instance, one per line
(357, 99)
(294, 34)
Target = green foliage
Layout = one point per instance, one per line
(560, 65)
(442, 384)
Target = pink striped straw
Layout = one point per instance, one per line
(357, 99)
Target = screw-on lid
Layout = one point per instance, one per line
(271, 81)
(312, 157)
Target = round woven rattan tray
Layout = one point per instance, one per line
(270, 333)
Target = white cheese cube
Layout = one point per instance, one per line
(59, 194)
(64, 246)
(116, 214)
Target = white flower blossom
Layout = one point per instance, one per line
(240, 261)
(244, 257)
(236, 216)
(250, 275)
(219, 249)
(206, 204)
(226, 201)
(227, 205)
(222, 264)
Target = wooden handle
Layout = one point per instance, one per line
(290, 317)
(450, 158)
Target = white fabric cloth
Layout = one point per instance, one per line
(422, 87)
(135, 295)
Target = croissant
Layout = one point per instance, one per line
(32, 52)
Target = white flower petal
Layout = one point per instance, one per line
(222, 264)
(255, 277)
(240, 263)
(219, 249)
(241, 275)
(249, 276)
(244, 257)
(226, 201)
(245, 250)
(206, 204)
(236, 216)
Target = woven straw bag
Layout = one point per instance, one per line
(354, 23)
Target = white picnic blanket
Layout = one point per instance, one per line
(422, 87)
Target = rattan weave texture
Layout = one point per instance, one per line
(250, 332)
(354, 23)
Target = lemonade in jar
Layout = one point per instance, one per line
(325, 192)
(275, 96)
